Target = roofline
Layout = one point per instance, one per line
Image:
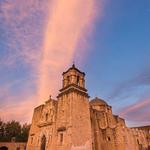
(73, 67)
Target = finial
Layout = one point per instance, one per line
(73, 66)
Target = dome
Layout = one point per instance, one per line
(97, 101)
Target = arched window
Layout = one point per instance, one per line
(46, 116)
(68, 79)
(78, 79)
(138, 141)
(108, 138)
(61, 137)
(43, 143)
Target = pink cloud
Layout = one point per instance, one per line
(47, 44)
(19, 106)
(21, 111)
(138, 112)
(68, 24)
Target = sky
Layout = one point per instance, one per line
(108, 40)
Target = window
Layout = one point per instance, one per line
(78, 78)
(108, 138)
(61, 137)
(31, 140)
(18, 148)
(68, 79)
(46, 117)
(61, 133)
(138, 141)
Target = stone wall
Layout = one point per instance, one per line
(43, 125)
(111, 133)
(13, 145)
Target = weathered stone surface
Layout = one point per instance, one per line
(73, 123)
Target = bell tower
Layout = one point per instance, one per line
(73, 116)
(73, 76)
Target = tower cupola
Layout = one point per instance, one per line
(73, 76)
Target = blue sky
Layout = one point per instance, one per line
(117, 66)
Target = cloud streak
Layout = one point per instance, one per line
(68, 23)
(138, 112)
(142, 79)
(44, 36)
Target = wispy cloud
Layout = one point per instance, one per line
(18, 110)
(138, 112)
(22, 27)
(134, 98)
(17, 105)
(43, 35)
(141, 79)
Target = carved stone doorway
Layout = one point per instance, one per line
(43, 143)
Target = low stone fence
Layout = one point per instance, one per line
(12, 146)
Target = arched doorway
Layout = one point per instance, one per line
(43, 142)
(3, 148)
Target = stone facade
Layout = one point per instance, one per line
(111, 133)
(72, 122)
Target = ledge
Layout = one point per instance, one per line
(44, 124)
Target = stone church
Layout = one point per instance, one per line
(74, 122)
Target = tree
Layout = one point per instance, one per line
(1, 129)
(24, 133)
(13, 129)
